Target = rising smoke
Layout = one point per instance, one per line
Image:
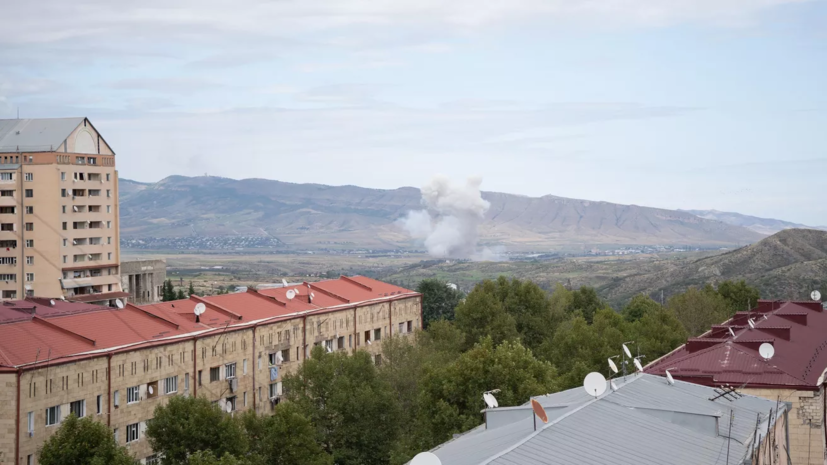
(450, 222)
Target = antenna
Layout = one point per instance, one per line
(751, 323)
(612, 365)
(766, 350)
(594, 384)
(291, 294)
(731, 332)
(669, 378)
(815, 295)
(118, 303)
(426, 458)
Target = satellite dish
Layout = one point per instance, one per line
(638, 365)
(539, 411)
(329, 349)
(766, 350)
(279, 357)
(815, 295)
(426, 458)
(284, 282)
(296, 290)
(594, 384)
(452, 286)
(290, 294)
(199, 309)
(150, 389)
(52, 302)
(229, 407)
(312, 296)
(369, 343)
(731, 332)
(490, 400)
(613, 385)
(669, 378)
(751, 323)
(612, 365)
(626, 351)
(118, 303)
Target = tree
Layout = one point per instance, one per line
(531, 309)
(83, 442)
(354, 411)
(438, 300)
(640, 306)
(738, 295)
(698, 309)
(186, 425)
(284, 438)
(481, 315)
(658, 332)
(586, 301)
(191, 290)
(180, 295)
(208, 458)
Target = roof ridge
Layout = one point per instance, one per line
(215, 306)
(741, 349)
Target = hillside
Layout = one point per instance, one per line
(787, 265)
(319, 216)
(766, 226)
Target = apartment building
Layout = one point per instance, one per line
(117, 365)
(58, 211)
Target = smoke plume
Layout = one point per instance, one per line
(450, 221)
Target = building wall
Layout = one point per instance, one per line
(8, 406)
(142, 278)
(806, 422)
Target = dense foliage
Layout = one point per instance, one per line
(438, 300)
(83, 441)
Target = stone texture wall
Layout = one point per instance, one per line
(8, 406)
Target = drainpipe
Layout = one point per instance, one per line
(195, 367)
(255, 367)
(17, 422)
(390, 318)
(355, 331)
(109, 391)
(304, 338)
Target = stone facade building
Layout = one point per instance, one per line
(143, 279)
(117, 365)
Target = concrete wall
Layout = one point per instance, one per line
(142, 278)
(806, 422)
(8, 405)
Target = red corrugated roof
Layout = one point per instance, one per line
(717, 358)
(67, 329)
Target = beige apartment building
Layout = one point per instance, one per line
(58, 212)
(117, 365)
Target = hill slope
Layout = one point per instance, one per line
(786, 265)
(766, 226)
(313, 215)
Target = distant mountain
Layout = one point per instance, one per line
(319, 216)
(786, 265)
(766, 226)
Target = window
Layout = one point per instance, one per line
(244, 365)
(229, 370)
(63, 192)
(215, 374)
(108, 225)
(8, 260)
(8, 277)
(29, 277)
(171, 385)
(7, 193)
(151, 388)
(62, 225)
(29, 193)
(199, 377)
(78, 407)
(341, 344)
(245, 398)
(109, 209)
(109, 255)
(116, 396)
(80, 160)
(377, 334)
(62, 175)
(29, 176)
(53, 415)
(378, 359)
(64, 258)
(107, 176)
(108, 193)
(275, 390)
(109, 240)
(29, 242)
(6, 177)
(115, 433)
(367, 336)
(93, 161)
(29, 210)
(231, 403)
(133, 394)
(401, 328)
(153, 460)
(410, 326)
(30, 423)
(30, 459)
(7, 210)
(187, 382)
(132, 432)
(29, 226)
(99, 403)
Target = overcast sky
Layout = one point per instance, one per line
(707, 104)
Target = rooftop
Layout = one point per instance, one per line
(35, 135)
(795, 330)
(646, 421)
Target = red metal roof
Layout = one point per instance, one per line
(33, 330)
(795, 329)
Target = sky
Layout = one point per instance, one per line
(692, 104)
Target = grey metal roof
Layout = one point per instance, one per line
(35, 135)
(646, 421)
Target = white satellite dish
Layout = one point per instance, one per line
(613, 385)
(312, 296)
(329, 349)
(290, 294)
(612, 365)
(594, 384)
(150, 389)
(369, 343)
(284, 283)
(279, 358)
(490, 400)
(229, 407)
(118, 303)
(296, 290)
(638, 365)
(815, 295)
(731, 332)
(426, 458)
(199, 309)
(669, 378)
(751, 323)
(766, 350)
(626, 351)
(52, 302)
(452, 286)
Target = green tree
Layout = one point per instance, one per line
(738, 295)
(586, 301)
(284, 438)
(186, 425)
(191, 290)
(640, 306)
(83, 442)
(208, 458)
(354, 411)
(658, 332)
(438, 300)
(451, 396)
(531, 309)
(481, 315)
(180, 295)
(698, 309)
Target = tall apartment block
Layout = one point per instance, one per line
(58, 212)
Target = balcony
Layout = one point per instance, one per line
(73, 283)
